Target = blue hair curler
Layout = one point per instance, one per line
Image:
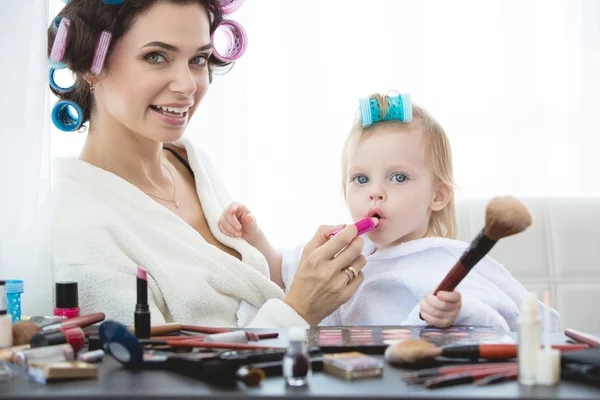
(113, 1)
(58, 88)
(399, 108)
(56, 22)
(64, 118)
(120, 343)
(56, 65)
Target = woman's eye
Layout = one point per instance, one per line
(155, 58)
(361, 179)
(199, 60)
(399, 178)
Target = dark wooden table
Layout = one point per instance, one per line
(115, 382)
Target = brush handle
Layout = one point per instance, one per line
(78, 322)
(202, 344)
(479, 247)
(167, 329)
(497, 351)
(204, 329)
(466, 377)
(419, 377)
(497, 378)
(582, 337)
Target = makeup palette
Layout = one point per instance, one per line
(375, 339)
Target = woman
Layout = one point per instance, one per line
(140, 194)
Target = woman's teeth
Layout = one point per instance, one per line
(171, 111)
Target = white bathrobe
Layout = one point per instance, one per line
(396, 279)
(104, 227)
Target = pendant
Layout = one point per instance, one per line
(176, 203)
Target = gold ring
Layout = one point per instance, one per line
(350, 275)
(353, 271)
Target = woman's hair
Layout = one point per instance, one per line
(88, 18)
(437, 155)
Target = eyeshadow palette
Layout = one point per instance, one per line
(375, 339)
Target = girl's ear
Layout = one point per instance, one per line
(441, 196)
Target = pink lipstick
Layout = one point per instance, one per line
(142, 310)
(363, 226)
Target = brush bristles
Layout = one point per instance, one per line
(411, 351)
(506, 216)
(23, 332)
(251, 376)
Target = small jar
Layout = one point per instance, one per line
(296, 362)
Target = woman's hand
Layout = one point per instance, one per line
(321, 285)
(442, 309)
(238, 222)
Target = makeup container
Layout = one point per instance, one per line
(5, 319)
(529, 340)
(548, 361)
(296, 361)
(67, 299)
(14, 290)
(62, 352)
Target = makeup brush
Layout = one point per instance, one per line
(466, 377)
(167, 329)
(414, 351)
(250, 376)
(504, 216)
(8, 353)
(202, 344)
(78, 322)
(497, 378)
(420, 376)
(22, 332)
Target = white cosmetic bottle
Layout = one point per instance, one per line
(5, 319)
(529, 340)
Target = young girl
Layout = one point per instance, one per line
(401, 174)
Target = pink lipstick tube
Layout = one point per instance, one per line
(363, 226)
(142, 309)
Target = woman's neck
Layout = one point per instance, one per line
(129, 155)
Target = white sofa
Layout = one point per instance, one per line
(560, 252)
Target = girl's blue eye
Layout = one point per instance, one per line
(361, 179)
(399, 178)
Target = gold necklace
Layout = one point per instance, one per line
(174, 200)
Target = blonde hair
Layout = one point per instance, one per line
(436, 152)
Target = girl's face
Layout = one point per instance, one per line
(158, 72)
(387, 178)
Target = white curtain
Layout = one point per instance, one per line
(514, 82)
(25, 152)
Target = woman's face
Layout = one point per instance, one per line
(157, 73)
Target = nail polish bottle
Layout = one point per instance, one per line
(296, 362)
(67, 299)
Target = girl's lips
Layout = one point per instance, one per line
(375, 212)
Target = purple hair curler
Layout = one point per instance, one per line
(237, 41)
(100, 53)
(60, 41)
(230, 6)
